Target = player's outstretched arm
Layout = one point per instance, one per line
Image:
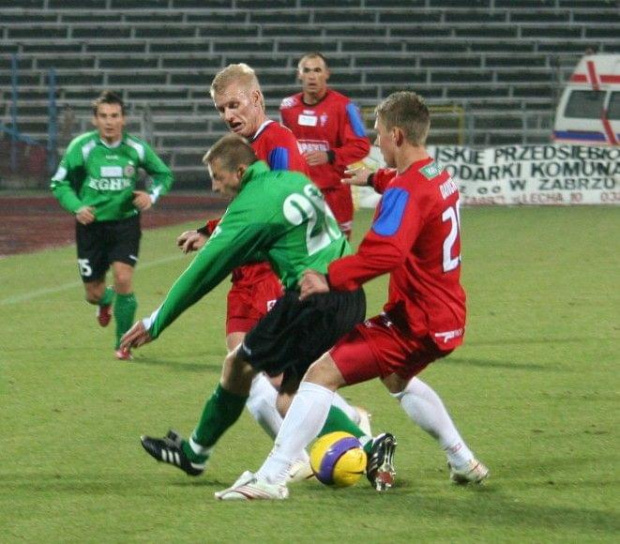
(356, 176)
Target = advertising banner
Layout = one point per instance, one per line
(527, 175)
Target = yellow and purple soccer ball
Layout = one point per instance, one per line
(338, 459)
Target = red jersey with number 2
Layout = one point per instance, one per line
(415, 237)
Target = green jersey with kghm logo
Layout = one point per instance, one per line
(91, 173)
(279, 216)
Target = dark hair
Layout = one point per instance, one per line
(232, 150)
(108, 97)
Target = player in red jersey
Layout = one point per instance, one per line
(330, 132)
(238, 98)
(415, 238)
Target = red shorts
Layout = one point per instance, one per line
(376, 349)
(248, 302)
(340, 202)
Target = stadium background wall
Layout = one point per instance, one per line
(492, 70)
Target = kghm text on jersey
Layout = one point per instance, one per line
(109, 184)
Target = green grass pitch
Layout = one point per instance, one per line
(534, 391)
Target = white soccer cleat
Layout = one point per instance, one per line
(365, 418)
(249, 488)
(300, 471)
(473, 473)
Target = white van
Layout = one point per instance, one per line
(589, 110)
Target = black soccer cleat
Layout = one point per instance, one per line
(169, 450)
(380, 469)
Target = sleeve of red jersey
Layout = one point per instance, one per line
(385, 247)
(286, 155)
(355, 144)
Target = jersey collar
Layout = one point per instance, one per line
(261, 128)
(114, 145)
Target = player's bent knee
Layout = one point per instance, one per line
(325, 372)
(123, 276)
(237, 374)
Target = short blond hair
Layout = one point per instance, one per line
(407, 111)
(240, 73)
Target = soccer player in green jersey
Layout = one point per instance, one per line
(280, 216)
(96, 181)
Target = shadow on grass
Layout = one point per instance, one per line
(500, 509)
(103, 484)
(496, 504)
(491, 505)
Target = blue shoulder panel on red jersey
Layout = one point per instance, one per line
(356, 120)
(393, 205)
(278, 158)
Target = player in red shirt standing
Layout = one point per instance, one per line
(330, 132)
(415, 239)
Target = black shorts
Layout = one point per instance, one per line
(294, 334)
(102, 243)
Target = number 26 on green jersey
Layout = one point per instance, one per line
(321, 226)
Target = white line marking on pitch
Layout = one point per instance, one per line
(65, 287)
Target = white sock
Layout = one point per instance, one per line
(426, 409)
(198, 449)
(304, 420)
(262, 405)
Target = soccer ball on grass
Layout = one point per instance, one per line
(338, 459)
